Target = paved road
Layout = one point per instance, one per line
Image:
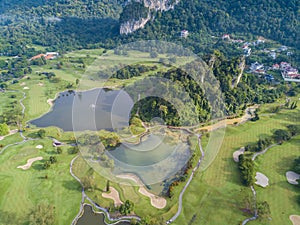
(188, 183)
(263, 152)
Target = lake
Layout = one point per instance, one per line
(89, 110)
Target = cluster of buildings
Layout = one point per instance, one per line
(289, 72)
(47, 56)
(246, 45)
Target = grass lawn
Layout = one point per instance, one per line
(21, 190)
(280, 195)
(215, 195)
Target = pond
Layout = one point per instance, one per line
(89, 217)
(89, 110)
(154, 160)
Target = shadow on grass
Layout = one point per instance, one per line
(72, 185)
(287, 186)
(38, 166)
(285, 164)
(229, 171)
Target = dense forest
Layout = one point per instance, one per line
(251, 89)
(64, 25)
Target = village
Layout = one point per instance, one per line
(270, 54)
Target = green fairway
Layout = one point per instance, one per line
(216, 195)
(280, 195)
(21, 189)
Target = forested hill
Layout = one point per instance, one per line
(67, 24)
(273, 19)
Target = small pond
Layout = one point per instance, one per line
(91, 218)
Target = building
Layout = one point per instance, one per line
(272, 54)
(226, 36)
(247, 52)
(256, 66)
(275, 67)
(269, 78)
(47, 56)
(184, 33)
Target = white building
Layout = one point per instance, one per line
(184, 33)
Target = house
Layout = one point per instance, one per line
(247, 51)
(184, 33)
(56, 143)
(272, 54)
(269, 78)
(226, 36)
(51, 55)
(256, 66)
(47, 56)
(282, 48)
(275, 67)
(37, 57)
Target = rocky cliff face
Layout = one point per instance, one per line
(132, 19)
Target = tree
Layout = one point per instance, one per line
(294, 129)
(281, 135)
(88, 183)
(53, 159)
(73, 150)
(263, 210)
(46, 165)
(153, 54)
(246, 166)
(77, 81)
(4, 129)
(107, 186)
(127, 207)
(296, 165)
(41, 133)
(59, 150)
(42, 214)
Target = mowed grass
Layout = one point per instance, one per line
(280, 195)
(216, 195)
(21, 190)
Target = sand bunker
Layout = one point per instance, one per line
(292, 177)
(50, 101)
(41, 84)
(26, 88)
(114, 195)
(10, 133)
(295, 219)
(39, 146)
(156, 201)
(22, 84)
(29, 163)
(237, 153)
(261, 179)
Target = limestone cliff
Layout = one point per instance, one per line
(137, 13)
